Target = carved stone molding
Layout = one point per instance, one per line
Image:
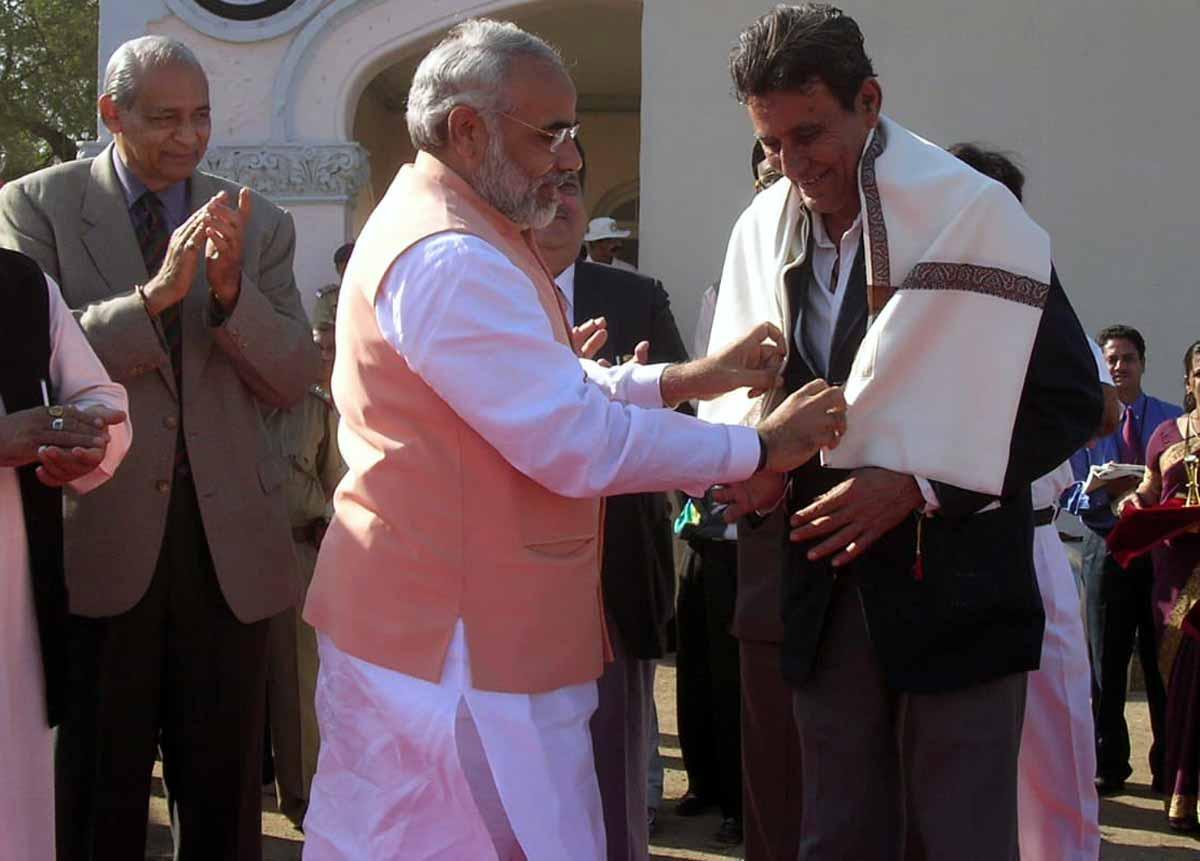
(293, 173)
(284, 172)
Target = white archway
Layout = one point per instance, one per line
(334, 57)
(319, 82)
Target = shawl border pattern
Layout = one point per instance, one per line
(881, 267)
(972, 278)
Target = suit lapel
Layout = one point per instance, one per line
(796, 281)
(850, 327)
(588, 303)
(108, 232)
(109, 238)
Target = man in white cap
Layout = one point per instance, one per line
(603, 241)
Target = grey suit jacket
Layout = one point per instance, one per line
(73, 220)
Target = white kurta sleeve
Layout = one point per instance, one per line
(629, 383)
(79, 379)
(469, 323)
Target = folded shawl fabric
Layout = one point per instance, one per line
(1140, 530)
(957, 276)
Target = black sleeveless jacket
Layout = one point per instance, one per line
(24, 363)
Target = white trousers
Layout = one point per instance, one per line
(1057, 805)
(421, 771)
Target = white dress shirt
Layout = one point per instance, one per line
(823, 302)
(566, 283)
(468, 322)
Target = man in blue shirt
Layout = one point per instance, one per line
(1119, 609)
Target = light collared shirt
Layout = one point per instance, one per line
(1094, 508)
(823, 301)
(468, 322)
(174, 198)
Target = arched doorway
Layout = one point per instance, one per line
(601, 42)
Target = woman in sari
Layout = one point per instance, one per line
(1176, 597)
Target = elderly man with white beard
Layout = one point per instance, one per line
(457, 591)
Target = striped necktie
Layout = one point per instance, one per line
(153, 235)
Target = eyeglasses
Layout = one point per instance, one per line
(557, 137)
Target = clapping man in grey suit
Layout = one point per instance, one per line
(183, 284)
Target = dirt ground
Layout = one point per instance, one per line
(1133, 824)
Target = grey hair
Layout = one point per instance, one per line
(469, 67)
(136, 57)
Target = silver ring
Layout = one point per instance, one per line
(56, 424)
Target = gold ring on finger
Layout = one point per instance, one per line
(56, 411)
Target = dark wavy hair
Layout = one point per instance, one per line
(1125, 333)
(791, 47)
(993, 163)
(1189, 401)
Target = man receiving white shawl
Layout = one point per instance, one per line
(926, 288)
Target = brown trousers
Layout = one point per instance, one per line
(291, 692)
(177, 671)
(771, 774)
(879, 764)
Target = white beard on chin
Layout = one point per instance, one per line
(504, 185)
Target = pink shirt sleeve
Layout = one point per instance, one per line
(79, 379)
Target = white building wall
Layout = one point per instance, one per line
(1095, 97)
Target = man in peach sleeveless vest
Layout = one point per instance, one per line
(457, 590)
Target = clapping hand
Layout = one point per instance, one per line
(589, 337)
(224, 232)
(639, 356)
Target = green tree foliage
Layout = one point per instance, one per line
(48, 54)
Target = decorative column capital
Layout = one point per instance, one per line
(284, 172)
(293, 173)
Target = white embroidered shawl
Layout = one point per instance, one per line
(957, 276)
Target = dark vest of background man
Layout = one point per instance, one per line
(637, 574)
(24, 360)
(174, 566)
